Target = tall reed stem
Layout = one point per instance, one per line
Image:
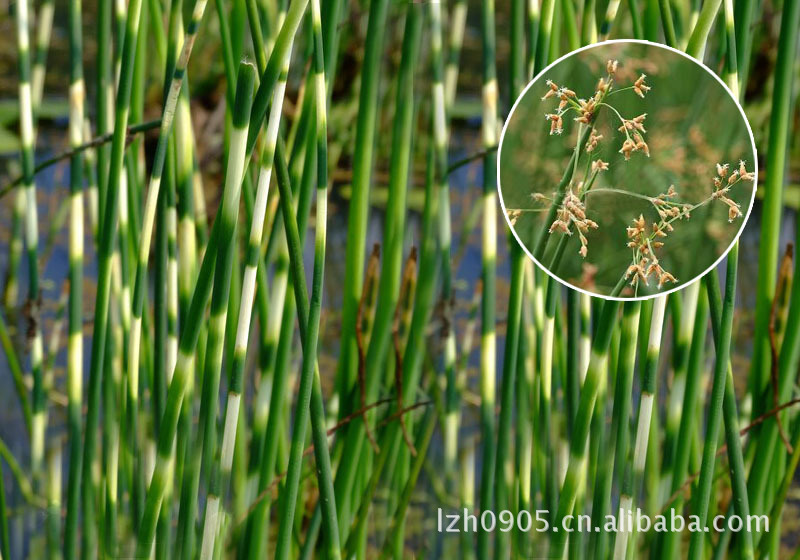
(359, 202)
(75, 340)
(702, 496)
(109, 209)
(309, 398)
(580, 432)
(772, 206)
(221, 242)
(488, 268)
(26, 124)
(646, 403)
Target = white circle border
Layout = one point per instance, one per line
(684, 284)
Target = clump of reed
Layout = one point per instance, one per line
(211, 398)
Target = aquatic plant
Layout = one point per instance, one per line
(232, 405)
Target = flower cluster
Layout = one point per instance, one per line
(668, 208)
(594, 138)
(645, 262)
(723, 182)
(586, 109)
(639, 87)
(565, 96)
(573, 211)
(644, 238)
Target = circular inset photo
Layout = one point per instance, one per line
(626, 169)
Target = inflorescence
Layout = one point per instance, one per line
(645, 238)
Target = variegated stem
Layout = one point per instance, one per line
(171, 348)
(36, 82)
(275, 393)
(731, 68)
(443, 190)
(585, 348)
(54, 499)
(646, 404)
(683, 441)
(110, 425)
(544, 34)
(488, 267)
(589, 23)
(253, 254)
(39, 399)
(458, 20)
(309, 398)
(616, 451)
(580, 431)
(104, 103)
(740, 500)
(90, 167)
(149, 211)
(106, 241)
(75, 318)
(186, 204)
(684, 333)
(221, 247)
(44, 27)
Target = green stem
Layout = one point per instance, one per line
(363, 156)
(701, 496)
